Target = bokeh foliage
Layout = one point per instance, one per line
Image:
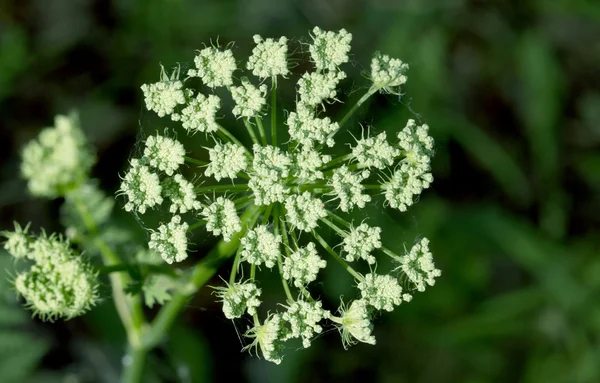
(511, 90)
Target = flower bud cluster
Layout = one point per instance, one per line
(58, 160)
(60, 283)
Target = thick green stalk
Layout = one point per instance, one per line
(261, 130)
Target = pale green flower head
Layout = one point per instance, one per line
(58, 160)
(269, 58)
(60, 283)
(283, 195)
(239, 298)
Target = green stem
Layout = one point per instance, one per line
(197, 224)
(261, 130)
(286, 287)
(337, 161)
(274, 113)
(250, 131)
(222, 188)
(361, 101)
(225, 134)
(195, 161)
(339, 260)
(236, 262)
(199, 276)
(129, 308)
(134, 366)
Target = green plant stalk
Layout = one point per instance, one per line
(372, 90)
(129, 308)
(274, 113)
(197, 278)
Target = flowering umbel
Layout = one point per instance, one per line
(279, 199)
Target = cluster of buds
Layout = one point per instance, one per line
(279, 198)
(60, 283)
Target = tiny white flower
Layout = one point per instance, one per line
(226, 161)
(170, 241)
(360, 242)
(303, 211)
(18, 242)
(375, 152)
(269, 57)
(381, 291)
(249, 100)
(303, 265)
(330, 49)
(418, 265)
(181, 193)
(221, 218)
(199, 115)
(348, 188)
(142, 188)
(261, 246)
(164, 153)
(315, 88)
(214, 67)
(387, 73)
(304, 318)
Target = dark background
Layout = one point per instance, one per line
(511, 91)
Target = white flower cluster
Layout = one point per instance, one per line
(314, 88)
(200, 115)
(303, 318)
(226, 161)
(59, 159)
(375, 152)
(286, 192)
(412, 177)
(381, 291)
(348, 188)
(330, 49)
(261, 246)
(360, 242)
(387, 73)
(249, 100)
(221, 218)
(304, 211)
(164, 96)
(307, 163)
(60, 283)
(271, 337)
(214, 67)
(306, 129)
(269, 58)
(181, 193)
(164, 153)
(303, 265)
(239, 298)
(418, 265)
(270, 166)
(355, 324)
(142, 187)
(170, 241)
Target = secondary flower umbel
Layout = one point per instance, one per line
(283, 200)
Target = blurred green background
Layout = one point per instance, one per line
(511, 91)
